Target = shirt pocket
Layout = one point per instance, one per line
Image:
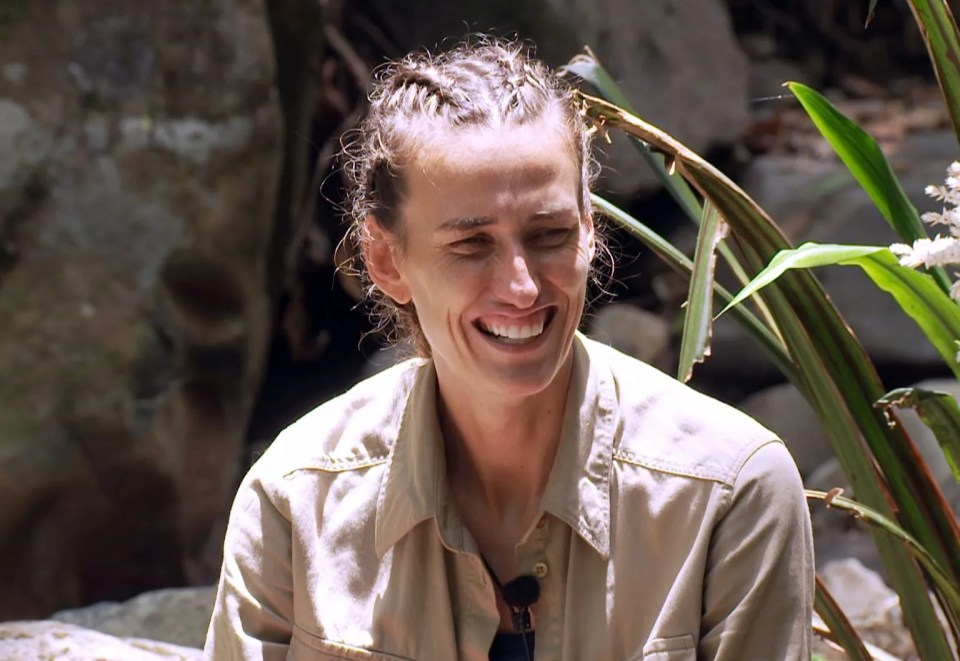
(675, 648)
(305, 646)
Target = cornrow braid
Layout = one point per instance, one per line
(484, 82)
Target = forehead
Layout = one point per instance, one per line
(492, 171)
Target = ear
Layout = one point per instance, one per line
(591, 237)
(381, 252)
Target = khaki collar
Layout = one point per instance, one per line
(578, 490)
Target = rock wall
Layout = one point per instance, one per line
(678, 62)
(141, 144)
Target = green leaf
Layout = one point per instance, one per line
(683, 266)
(587, 67)
(862, 156)
(937, 315)
(866, 162)
(697, 317)
(838, 379)
(941, 579)
(940, 33)
(841, 629)
(939, 411)
(807, 255)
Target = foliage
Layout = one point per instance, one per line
(914, 529)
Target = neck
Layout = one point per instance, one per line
(500, 451)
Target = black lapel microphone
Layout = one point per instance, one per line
(519, 594)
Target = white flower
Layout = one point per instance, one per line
(938, 251)
(934, 218)
(901, 249)
(938, 193)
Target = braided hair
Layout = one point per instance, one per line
(485, 82)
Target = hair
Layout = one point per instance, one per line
(483, 82)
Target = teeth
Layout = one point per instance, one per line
(515, 332)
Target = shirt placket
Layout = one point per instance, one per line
(533, 559)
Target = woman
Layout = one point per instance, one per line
(644, 519)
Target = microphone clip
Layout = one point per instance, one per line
(520, 616)
(519, 594)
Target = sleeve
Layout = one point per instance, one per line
(253, 611)
(759, 582)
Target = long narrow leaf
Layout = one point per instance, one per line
(683, 266)
(839, 381)
(698, 315)
(842, 631)
(937, 315)
(876, 654)
(862, 156)
(588, 68)
(939, 411)
(866, 162)
(806, 256)
(940, 33)
(943, 583)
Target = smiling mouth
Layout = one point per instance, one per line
(515, 333)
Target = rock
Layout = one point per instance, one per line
(137, 200)
(634, 331)
(871, 606)
(861, 593)
(766, 78)
(784, 410)
(56, 641)
(177, 616)
(665, 55)
(828, 475)
(837, 535)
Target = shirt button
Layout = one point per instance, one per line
(540, 569)
(542, 522)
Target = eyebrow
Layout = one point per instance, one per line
(465, 224)
(474, 222)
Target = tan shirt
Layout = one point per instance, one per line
(674, 527)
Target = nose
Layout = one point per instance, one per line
(518, 284)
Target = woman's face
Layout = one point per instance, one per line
(495, 255)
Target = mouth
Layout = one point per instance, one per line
(516, 332)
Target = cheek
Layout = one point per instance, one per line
(449, 290)
(570, 270)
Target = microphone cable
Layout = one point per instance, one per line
(519, 594)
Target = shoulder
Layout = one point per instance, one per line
(352, 431)
(667, 426)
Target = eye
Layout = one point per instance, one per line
(471, 245)
(553, 237)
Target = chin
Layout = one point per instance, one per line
(521, 381)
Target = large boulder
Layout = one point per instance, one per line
(56, 641)
(634, 331)
(678, 62)
(783, 409)
(179, 616)
(141, 146)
